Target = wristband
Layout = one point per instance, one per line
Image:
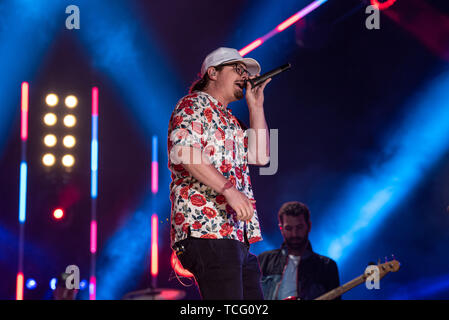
(227, 185)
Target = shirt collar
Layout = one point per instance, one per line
(214, 101)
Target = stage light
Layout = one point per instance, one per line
(52, 100)
(58, 214)
(69, 141)
(31, 284)
(93, 288)
(382, 5)
(23, 191)
(50, 140)
(253, 45)
(83, 284)
(154, 167)
(24, 108)
(154, 246)
(50, 119)
(93, 236)
(71, 101)
(48, 160)
(53, 282)
(69, 120)
(19, 286)
(68, 160)
(281, 27)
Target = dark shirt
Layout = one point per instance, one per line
(317, 274)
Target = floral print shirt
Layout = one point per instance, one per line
(200, 121)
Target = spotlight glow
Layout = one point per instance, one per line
(71, 101)
(52, 99)
(68, 160)
(58, 214)
(83, 284)
(69, 141)
(50, 119)
(31, 284)
(53, 282)
(48, 160)
(50, 140)
(69, 120)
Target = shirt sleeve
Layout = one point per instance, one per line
(187, 125)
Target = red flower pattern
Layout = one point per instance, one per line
(209, 212)
(198, 200)
(226, 229)
(179, 218)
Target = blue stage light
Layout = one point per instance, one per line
(53, 283)
(31, 284)
(418, 143)
(83, 284)
(31, 26)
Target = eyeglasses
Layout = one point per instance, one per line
(239, 69)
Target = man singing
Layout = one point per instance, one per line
(213, 214)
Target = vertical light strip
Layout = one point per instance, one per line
(23, 191)
(24, 103)
(93, 237)
(94, 144)
(154, 167)
(94, 194)
(24, 113)
(281, 27)
(154, 246)
(92, 288)
(19, 285)
(154, 218)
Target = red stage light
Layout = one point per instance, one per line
(58, 214)
(382, 5)
(19, 286)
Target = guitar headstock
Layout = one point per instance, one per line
(389, 266)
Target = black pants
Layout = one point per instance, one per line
(224, 269)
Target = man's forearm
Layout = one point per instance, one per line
(207, 174)
(202, 170)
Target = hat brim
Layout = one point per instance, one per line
(251, 64)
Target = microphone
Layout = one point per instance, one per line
(270, 74)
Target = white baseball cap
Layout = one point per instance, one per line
(227, 55)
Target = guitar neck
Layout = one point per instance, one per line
(335, 293)
(382, 270)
